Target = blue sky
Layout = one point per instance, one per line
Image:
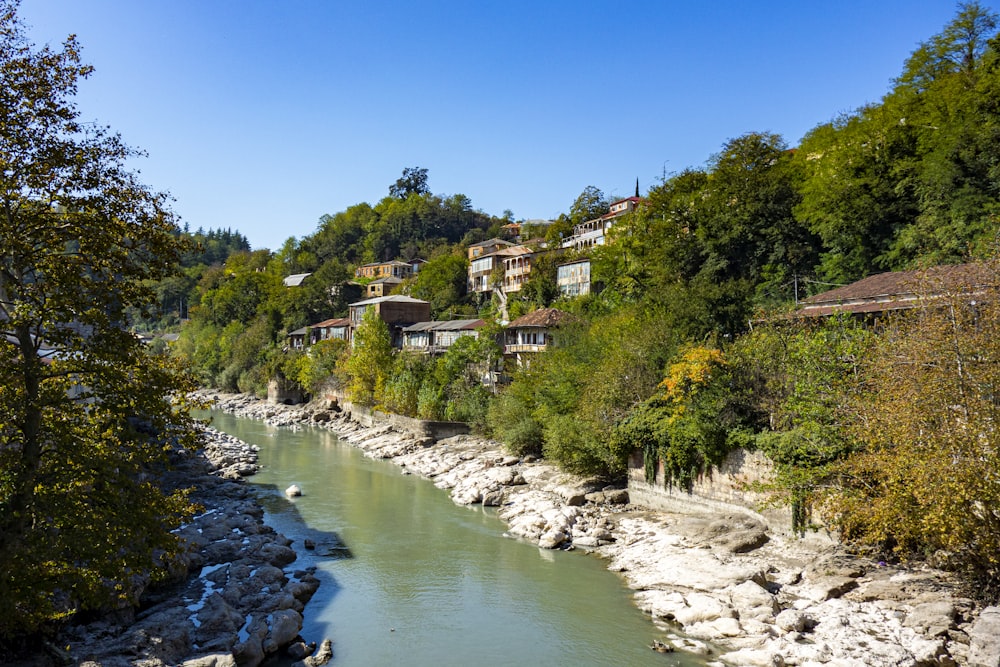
(262, 116)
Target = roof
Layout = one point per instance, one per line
(898, 290)
(488, 242)
(395, 298)
(445, 325)
(295, 279)
(299, 332)
(513, 251)
(394, 262)
(543, 317)
(387, 279)
(335, 322)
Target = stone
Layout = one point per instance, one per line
(984, 639)
(249, 652)
(828, 588)
(213, 660)
(277, 554)
(285, 626)
(791, 620)
(616, 496)
(300, 650)
(293, 491)
(552, 539)
(933, 619)
(320, 658)
(751, 600)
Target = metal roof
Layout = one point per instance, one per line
(445, 325)
(295, 279)
(395, 298)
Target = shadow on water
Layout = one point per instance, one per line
(306, 540)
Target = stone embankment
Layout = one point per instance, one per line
(714, 583)
(236, 598)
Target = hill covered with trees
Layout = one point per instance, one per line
(884, 434)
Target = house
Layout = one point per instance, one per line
(486, 247)
(516, 269)
(573, 278)
(518, 230)
(901, 290)
(383, 286)
(396, 310)
(335, 329)
(481, 269)
(591, 233)
(437, 337)
(532, 333)
(297, 338)
(395, 268)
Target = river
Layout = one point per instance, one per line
(422, 581)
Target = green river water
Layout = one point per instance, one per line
(416, 580)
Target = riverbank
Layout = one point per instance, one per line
(236, 597)
(716, 584)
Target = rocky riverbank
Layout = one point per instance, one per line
(236, 597)
(716, 584)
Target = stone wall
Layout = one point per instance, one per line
(284, 392)
(725, 489)
(420, 428)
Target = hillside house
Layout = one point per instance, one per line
(437, 337)
(486, 247)
(516, 270)
(532, 333)
(297, 339)
(573, 278)
(383, 286)
(482, 267)
(334, 329)
(901, 290)
(591, 233)
(396, 310)
(395, 268)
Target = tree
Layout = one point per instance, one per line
(412, 182)
(442, 281)
(86, 419)
(371, 359)
(925, 477)
(589, 205)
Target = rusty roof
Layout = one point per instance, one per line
(543, 317)
(897, 290)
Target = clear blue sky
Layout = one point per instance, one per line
(263, 115)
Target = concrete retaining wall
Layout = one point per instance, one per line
(420, 428)
(726, 489)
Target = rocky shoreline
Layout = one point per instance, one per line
(716, 584)
(235, 599)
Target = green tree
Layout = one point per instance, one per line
(370, 361)
(442, 282)
(590, 204)
(412, 182)
(85, 413)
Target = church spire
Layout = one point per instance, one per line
(637, 187)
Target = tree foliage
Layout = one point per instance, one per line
(86, 419)
(925, 477)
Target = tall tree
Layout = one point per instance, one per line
(85, 412)
(412, 182)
